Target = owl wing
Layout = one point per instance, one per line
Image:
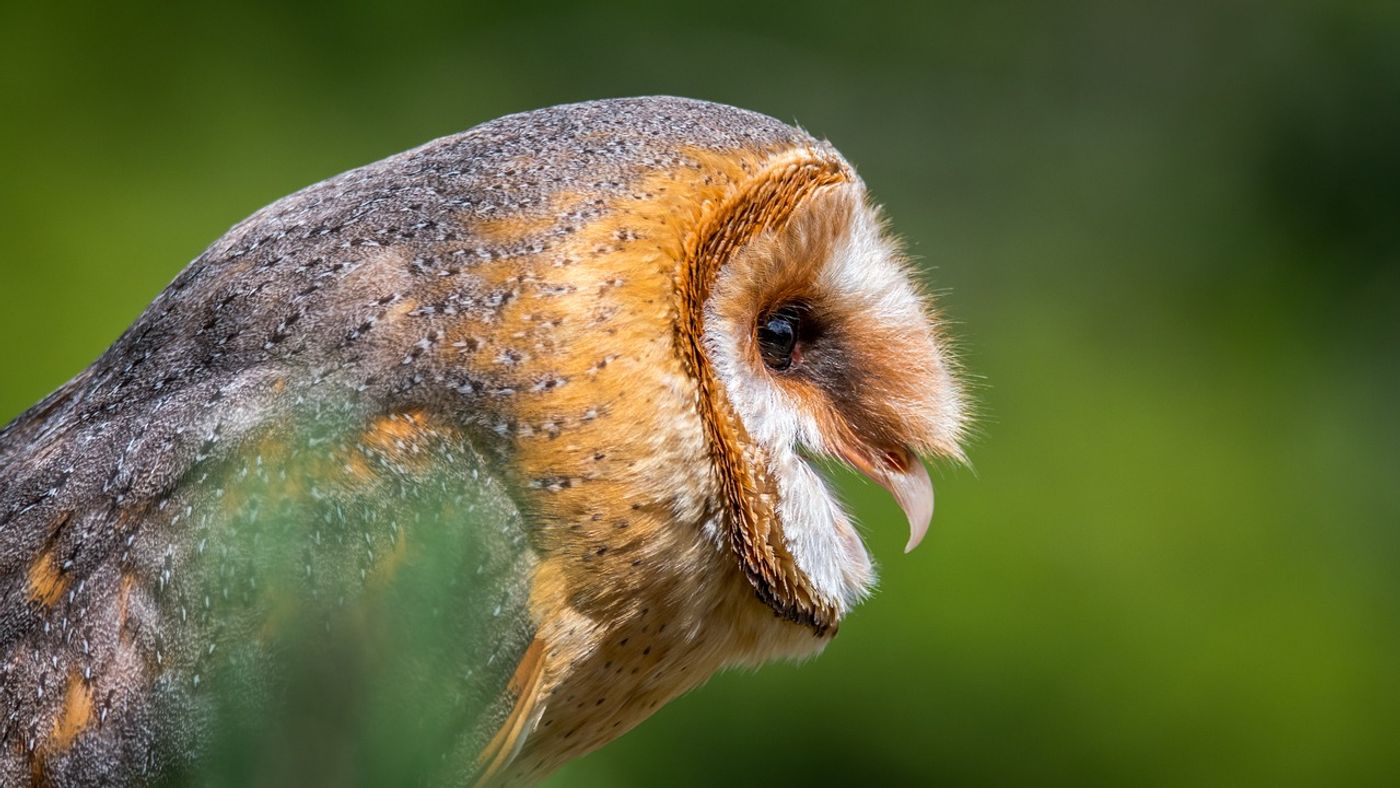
(317, 593)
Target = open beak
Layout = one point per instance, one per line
(902, 473)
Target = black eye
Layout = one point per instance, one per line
(778, 331)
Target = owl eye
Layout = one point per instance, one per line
(778, 332)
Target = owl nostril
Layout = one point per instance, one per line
(898, 460)
(778, 332)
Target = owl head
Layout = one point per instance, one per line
(730, 313)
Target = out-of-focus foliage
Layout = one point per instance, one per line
(1168, 237)
(361, 626)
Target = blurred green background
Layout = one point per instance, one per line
(1169, 237)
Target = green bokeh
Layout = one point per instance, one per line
(1169, 237)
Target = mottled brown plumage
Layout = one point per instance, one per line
(514, 388)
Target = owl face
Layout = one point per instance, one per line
(827, 350)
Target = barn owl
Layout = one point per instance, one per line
(506, 440)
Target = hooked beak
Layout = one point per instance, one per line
(902, 473)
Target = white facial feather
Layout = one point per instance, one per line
(864, 271)
(867, 270)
